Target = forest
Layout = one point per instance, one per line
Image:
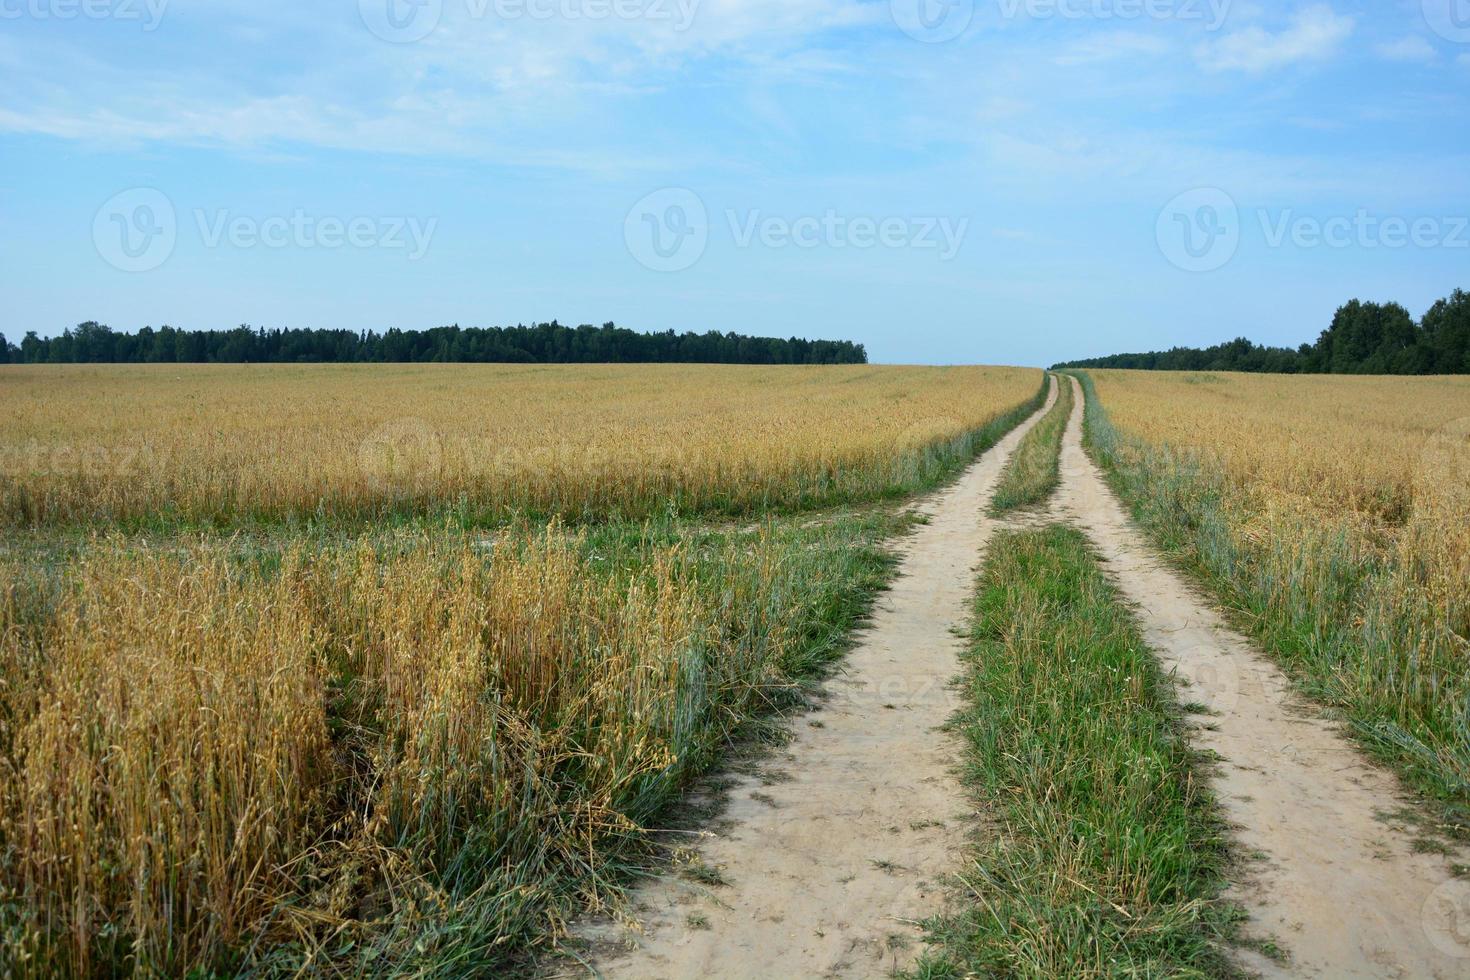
(545, 343)
(1364, 338)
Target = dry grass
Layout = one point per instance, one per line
(410, 754)
(1336, 512)
(411, 747)
(217, 444)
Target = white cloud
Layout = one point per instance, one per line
(1315, 33)
(521, 89)
(1412, 48)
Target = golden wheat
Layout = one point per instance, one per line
(197, 755)
(404, 748)
(1336, 511)
(219, 442)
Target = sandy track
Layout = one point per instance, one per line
(831, 864)
(1337, 887)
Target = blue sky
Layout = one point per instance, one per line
(996, 181)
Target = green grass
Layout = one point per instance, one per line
(1104, 851)
(1325, 608)
(1033, 474)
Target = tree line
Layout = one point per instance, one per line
(544, 343)
(1364, 338)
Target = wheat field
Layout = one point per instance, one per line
(412, 746)
(1335, 513)
(217, 444)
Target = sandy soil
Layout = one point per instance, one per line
(1336, 884)
(833, 859)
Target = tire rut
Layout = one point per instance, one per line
(832, 864)
(1333, 882)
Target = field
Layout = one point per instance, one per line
(370, 670)
(226, 445)
(1334, 514)
(355, 670)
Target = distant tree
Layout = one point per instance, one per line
(542, 343)
(1363, 338)
(1447, 334)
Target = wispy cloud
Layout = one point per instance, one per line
(1412, 49)
(1313, 34)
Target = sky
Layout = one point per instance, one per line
(945, 181)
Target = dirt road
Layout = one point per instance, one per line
(1337, 887)
(833, 858)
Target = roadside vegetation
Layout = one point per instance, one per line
(1033, 473)
(1332, 516)
(408, 754)
(1104, 854)
(294, 738)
